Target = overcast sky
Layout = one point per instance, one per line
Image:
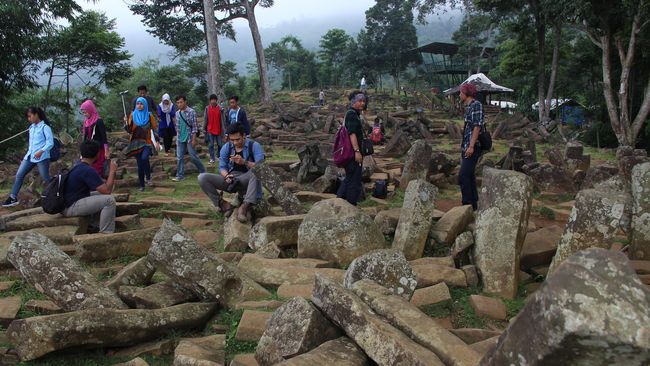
(134, 32)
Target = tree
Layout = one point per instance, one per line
(297, 65)
(472, 38)
(616, 28)
(212, 41)
(389, 35)
(88, 49)
(249, 11)
(334, 46)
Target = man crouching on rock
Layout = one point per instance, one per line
(237, 158)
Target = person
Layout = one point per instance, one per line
(237, 158)
(187, 128)
(363, 83)
(142, 93)
(95, 130)
(470, 149)
(140, 125)
(167, 118)
(237, 115)
(213, 127)
(377, 132)
(82, 180)
(41, 141)
(351, 187)
(321, 98)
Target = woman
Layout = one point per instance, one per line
(41, 141)
(167, 118)
(141, 124)
(94, 129)
(351, 188)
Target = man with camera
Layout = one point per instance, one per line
(237, 158)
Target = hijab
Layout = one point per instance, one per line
(141, 117)
(90, 108)
(166, 108)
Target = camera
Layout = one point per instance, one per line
(232, 187)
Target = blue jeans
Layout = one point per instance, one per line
(212, 139)
(467, 179)
(181, 147)
(26, 166)
(351, 187)
(144, 168)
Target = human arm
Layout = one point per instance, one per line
(244, 121)
(205, 120)
(49, 142)
(470, 149)
(107, 187)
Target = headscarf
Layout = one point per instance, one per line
(90, 108)
(141, 117)
(163, 107)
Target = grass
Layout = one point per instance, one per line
(547, 213)
(396, 200)
(283, 155)
(463, 316)
(233, 346)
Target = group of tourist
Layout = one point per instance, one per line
(90, 182)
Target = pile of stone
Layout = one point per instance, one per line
(514, 126)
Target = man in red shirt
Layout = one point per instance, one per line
(213, 127)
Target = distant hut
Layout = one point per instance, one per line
(567, 111)
(485, 88)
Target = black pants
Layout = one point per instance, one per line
(168, 136)
(351, 187)
(467, 179)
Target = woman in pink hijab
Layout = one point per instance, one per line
(94, 129)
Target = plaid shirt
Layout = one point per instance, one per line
(474, 117)
(188, 115)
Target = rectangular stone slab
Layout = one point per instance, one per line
(100, 247)
(40, 220)
(417, 325)
(339, 352)
(37, 336)
(269, 272)
(382, 342)
(281, 229)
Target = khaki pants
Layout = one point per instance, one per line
(102, 205)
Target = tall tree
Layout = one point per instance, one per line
(297, 64)
(214, 58)
(334, 46)
(472, 38)
(249, 11)
(616, 27)
(390, 33)
(88, 49)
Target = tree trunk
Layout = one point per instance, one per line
(46, 103)
(265, 88)
(554, 67)
(67, 96)
(541, 66)
(213, 49)
(208, 77)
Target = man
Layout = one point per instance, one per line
(363, 84)
(142, 92)
(351, 188)
(237, 115)
(213, 126)
(470, 149)
(186, 127)
(236, 161)
(321, 98)
(82, 180)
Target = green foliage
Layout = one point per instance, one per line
(296, 64)
(334, 46)
(547, 213)
(463, 313)
(234, 347)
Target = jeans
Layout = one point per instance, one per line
(26, 166)
(351, 187)
(102, 204)
(467, 180)
(212, 139)
(212, 183)
(180, 158)
(144, 168)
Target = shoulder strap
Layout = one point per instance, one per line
(251, 155)
(180, 113)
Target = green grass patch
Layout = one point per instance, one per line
(26, 292)
(463, 314)
(396, 200)
(441, 310)
(547, 213)
(234, 347)
(283, 155)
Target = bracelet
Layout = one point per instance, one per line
(357, 150)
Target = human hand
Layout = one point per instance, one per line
(469, 152)
(237, 159)
(113, 166)
(229, 178)
(358, 157)
(193, 141)
(38, 154)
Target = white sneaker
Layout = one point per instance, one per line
(211, 162)
(177, 179)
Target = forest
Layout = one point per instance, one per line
(594, 52)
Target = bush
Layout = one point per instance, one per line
(602, 134)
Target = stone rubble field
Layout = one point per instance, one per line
(553, 268)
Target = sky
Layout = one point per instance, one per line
(131, 28)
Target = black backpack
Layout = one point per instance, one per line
(381, 189)
(55, 151)
(53, 201)
(485, 140)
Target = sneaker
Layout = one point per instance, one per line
(177, 179)
(10, 202)
(150, 182)
(141, 189)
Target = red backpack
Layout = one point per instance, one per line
(343, 150)
(376, 136)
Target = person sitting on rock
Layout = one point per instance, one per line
(237, 158)
(84, 179)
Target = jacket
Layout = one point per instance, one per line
(241, 118)
(223, 121)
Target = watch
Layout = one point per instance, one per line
(357, 150)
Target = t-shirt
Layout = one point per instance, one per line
(239, 168)
(353, 124)
(232, 116)
(81, 181)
